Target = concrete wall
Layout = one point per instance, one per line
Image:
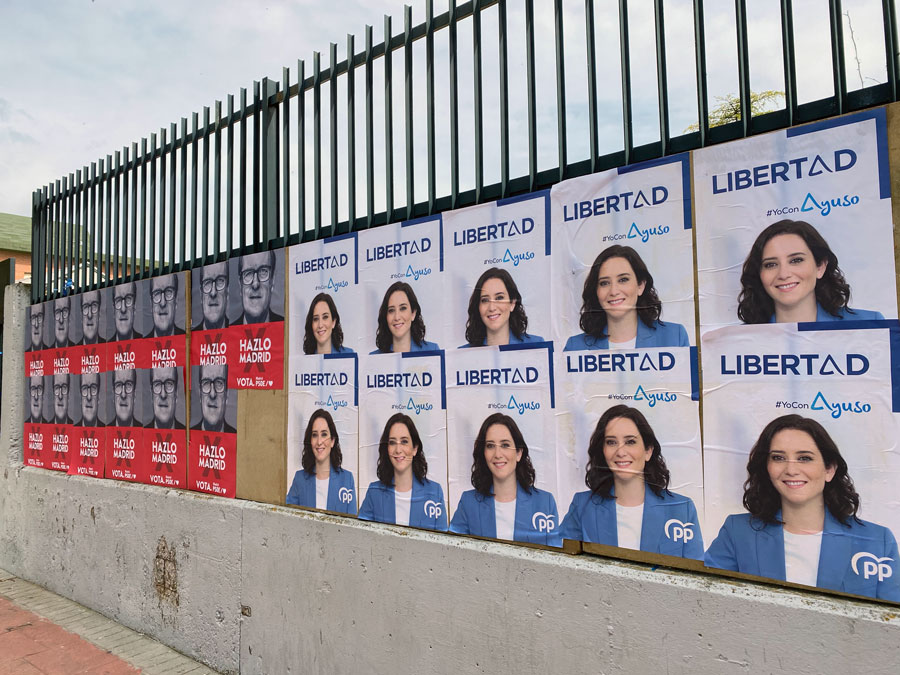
(251, 588)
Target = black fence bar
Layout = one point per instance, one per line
(87, 231)
(790, 61)
(836, 21)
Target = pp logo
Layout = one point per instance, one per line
(543, 522)
(345, 495)
(680, 530)
(433, 509)
(875, 566)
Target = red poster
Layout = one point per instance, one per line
(62, 441)
(88, 455)
(212, 462)
(163, 352)
(122, 355)
(167, 449)
(125, 456)
(89, 358)
(209, 347)
(34, 363)
(35, 452)
(64, 360)
(258, 356)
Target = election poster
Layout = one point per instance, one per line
(800, 454)
(38, 392)
(497, 263)
(164, 345)
(325, 300)
(795, 225)
(165, 438)
(323, 432)
(403, 439)
(623, 258)
(88, 456)
(500, 434)
(65, 415)
(128, 391)
(401, 275)
(628, 424)
(213, 440)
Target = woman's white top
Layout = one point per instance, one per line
(402, 502)
(322, 492)
(628, 344)
(505, 514)
(801, 557)
(629, 520)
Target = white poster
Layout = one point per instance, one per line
(831, 177)
(507, 391)
(324, 297)
(408, 390)
(623, 257)
(497, 263)
(661, 385)
(323, 424)
(402, 286)
(785, 392)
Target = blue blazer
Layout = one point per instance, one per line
(843, 314)
(426, 511)
(527, 338)
(342, 350)
(668, 334)
(303, 491)
(414, 346)
(669, 526)
(475, 515)
(851, 560)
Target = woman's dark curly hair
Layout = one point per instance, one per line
(832, 290)
(761, 498)
(308, 458)
(384, 340)
(482, 478)
(385, 469)
(593, 317)
(476, 332)
(337, 334)
(599, 477)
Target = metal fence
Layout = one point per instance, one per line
(223, 184)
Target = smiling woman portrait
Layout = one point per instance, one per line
(322, 331)
(496, 312)
(322, 483)
(401, 327)
(403, 495)
(792, 275)
(802, 524)
(620, 308)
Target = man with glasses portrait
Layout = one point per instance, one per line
(35, 385)
(213, 296)
(256, 272)
(90, 400)
(124, 384)
(91, 306)
(36, 326)
(61, 386)
(164, 305)
(124, 301)
(61, 309)
(164, 386)
(213, 383)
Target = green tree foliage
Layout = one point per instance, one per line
(729, 107)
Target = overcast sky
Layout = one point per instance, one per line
(80, 79)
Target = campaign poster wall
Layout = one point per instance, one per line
(324, 383)
(846, 381)
(515, 381)
(833, 175)
(412, 384)
(661, 384)
(396, 260)
(213, 440)
(644, 209)
(165, 438)
(510, 234)
(325, 271)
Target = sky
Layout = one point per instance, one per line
(80, 79)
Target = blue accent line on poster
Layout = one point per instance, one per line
(685, 160)
(432, 352)
(545, 194)
(355, 358)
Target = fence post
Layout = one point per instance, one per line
(269, 147)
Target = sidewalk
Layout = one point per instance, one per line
(41, 632)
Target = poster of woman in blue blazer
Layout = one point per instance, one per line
(322, 332)
(792, 275)
(496, 312)
(629, 503)
(322, 483)
(505, 504)
(403, 495)
(801, 524)
(401, 327)
(621, 307)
